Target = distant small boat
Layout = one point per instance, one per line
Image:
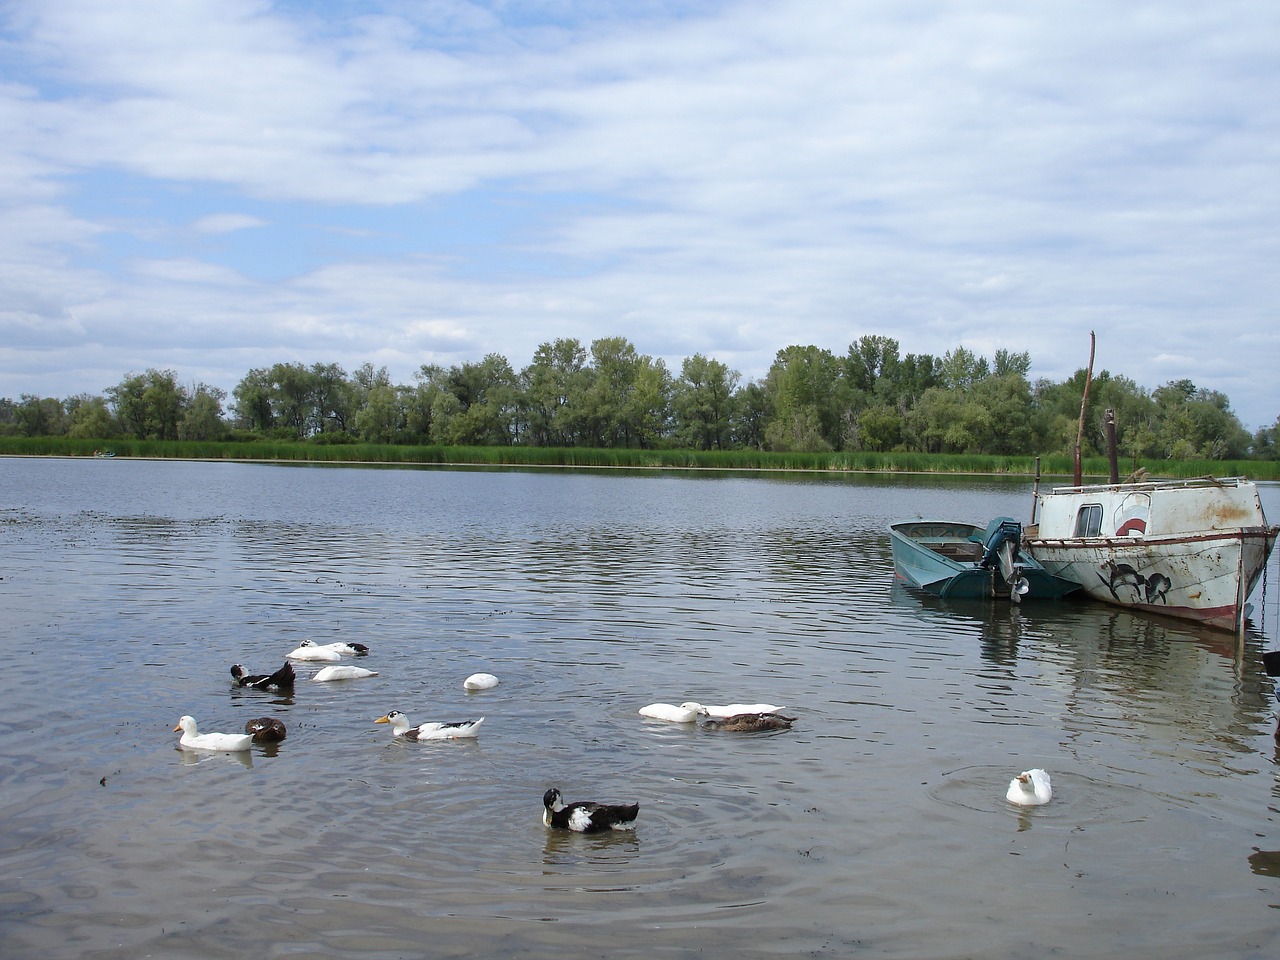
(962, 561)
(104, 454)
(1192, 549)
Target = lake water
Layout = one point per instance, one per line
(877, 827)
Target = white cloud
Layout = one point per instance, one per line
(715, 178)
(226, 223)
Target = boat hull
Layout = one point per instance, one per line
(1191, 549)
(1206, 577)
(944, 558)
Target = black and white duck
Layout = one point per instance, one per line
(583, 816)
(326, 652)
(433, 730)
(281, 681)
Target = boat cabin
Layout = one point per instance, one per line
(1133, 511)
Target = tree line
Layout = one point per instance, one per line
(608, 395)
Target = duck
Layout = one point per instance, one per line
(192, 739)
(345, 648)
(685, 713)
(1030, 788)
(586, 817)
(480, 681)
(433, 730)
(749, 722)
(735, 709)
(266, 730)
(281, 681)
(342, 672)
(309, 650)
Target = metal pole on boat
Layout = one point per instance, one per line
(1113, 460)
(1084, 403)
(1035, 493)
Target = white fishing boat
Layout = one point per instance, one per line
(1192, 549)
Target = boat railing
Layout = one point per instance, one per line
(1148, 485)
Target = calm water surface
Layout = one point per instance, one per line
(876, 827)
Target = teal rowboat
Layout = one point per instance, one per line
(965, 562)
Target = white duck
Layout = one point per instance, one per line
(310, 650)
(342, 672)
(735, 709)
(344, 648)
(433, 730)
(192, 739)
(685, 713)
(1030, 788)
(480, 681)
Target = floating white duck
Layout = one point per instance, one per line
(1030, 788)
(347, 649)
(342, 672)
(192, 739)
(685, 713)
(309, 650)
(736, 709)
(585, 816)
(480, 681)
(434, 730)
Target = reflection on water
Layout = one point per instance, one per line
(877, 824)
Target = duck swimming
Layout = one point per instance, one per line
(309, 650)
(342, 672)
(750, 723)
(266, 730)
(344, 648)
(434, 730)
(192, 739)
(480, 681)
(685, 713)
(585, 816)
(1030, 788)
(734, 709)
(280, 681)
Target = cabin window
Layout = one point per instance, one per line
(1089, 520)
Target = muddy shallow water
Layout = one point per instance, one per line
(877, 826)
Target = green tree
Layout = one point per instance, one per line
(703, 403)
(1266, 442)
(809, 399)
(962, 368)
(554, 388)
(752, 411)
(149, 406)
(293, 399)
(475, 403)
(40, 416)
(254, 408)
(647, 408)
(381, 418)
(420, 402)
(331, 398)
(201, 418)
(91, 418)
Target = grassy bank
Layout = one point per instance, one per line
(577, 457)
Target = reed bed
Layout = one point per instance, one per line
(590, 458)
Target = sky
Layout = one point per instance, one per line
(214, 186)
